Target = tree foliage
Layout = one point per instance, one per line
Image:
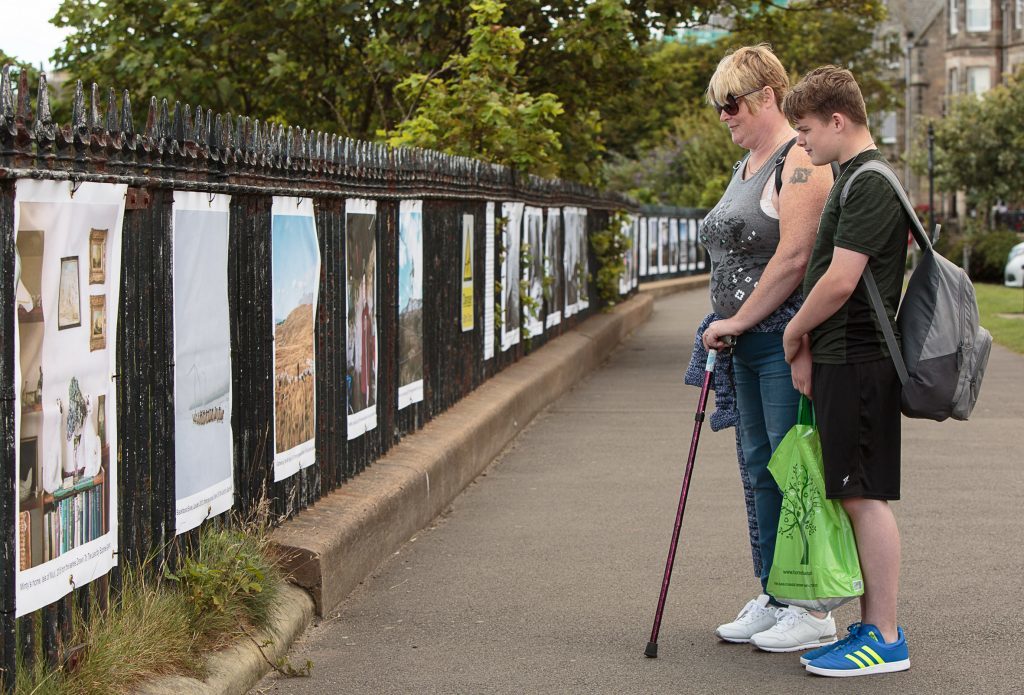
(357, 68)
(978, 145)
(479, 110)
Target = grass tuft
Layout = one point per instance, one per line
(1002, 313)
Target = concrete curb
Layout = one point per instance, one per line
(660, 288)
(235, 670)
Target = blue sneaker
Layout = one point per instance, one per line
(810, 656)
(865, 654)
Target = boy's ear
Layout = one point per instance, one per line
(838, 122)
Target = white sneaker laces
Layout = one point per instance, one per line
(786, 618)
(752, 611)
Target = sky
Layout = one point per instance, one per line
(26, 32)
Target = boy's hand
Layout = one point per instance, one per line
(791, 343)
(716, 331)
(800, 366)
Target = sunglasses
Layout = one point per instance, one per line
(732, 105)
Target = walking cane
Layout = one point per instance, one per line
(652, 646)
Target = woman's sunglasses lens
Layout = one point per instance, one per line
(731, 106)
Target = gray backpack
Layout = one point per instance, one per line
(945, 351)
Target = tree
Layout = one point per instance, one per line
(480, 109)
(978, 145)
(800, 501)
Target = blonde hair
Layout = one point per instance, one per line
(825, 91)
(746, 69)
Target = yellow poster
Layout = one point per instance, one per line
(467, 273)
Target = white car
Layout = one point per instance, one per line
(1013, 275)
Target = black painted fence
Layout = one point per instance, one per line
(184, 148)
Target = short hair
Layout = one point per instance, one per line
(824, 91)
(747, 69)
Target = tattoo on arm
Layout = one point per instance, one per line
(801, 175)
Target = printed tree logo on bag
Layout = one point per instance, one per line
(799, 505)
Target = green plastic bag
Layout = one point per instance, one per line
(816, 564)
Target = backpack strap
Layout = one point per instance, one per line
(869, 279)
(780, 162)
(883, 322)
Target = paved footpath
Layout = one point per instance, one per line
(543, 576)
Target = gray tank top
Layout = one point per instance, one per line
(740, 238)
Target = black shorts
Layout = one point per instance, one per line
(857, 407)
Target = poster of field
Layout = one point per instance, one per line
(66, 279)
(203, 442)
(533, 272)
(295, 274)
(512, 214)
(361, 313)
(554, 244)
(410, 302)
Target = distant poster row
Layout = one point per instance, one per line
(544, 271)
(667, 245)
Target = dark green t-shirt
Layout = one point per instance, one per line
(874, 223)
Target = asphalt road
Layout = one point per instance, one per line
(543, 576)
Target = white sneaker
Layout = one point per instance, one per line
(795, 629)
(755, 617)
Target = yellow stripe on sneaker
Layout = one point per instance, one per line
(857, 661)
(873, 654)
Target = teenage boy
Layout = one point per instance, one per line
(839, 358)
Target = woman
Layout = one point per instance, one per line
(759, 237)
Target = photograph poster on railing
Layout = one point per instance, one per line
(467, 273)
(554, 294)
(673, 245)
(664, 247)
(203, 444)
(641, 245)
(652, 246)
(634, 250)
(511, 236)
(626, 279)
(295, 275)
(67, 276)
(488, 331)
(410, 302)
(533, 270)
(361, 313)
(577, 266)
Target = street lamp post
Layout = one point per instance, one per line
(931, 178)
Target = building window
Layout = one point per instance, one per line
(887, 128)
(953, 85)
(1018, 14)
(979, 80)
(979, 15)
(954, 10)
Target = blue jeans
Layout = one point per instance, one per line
(767, 404)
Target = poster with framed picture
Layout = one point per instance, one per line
(69, 306)
(97, 256)
(97, 322)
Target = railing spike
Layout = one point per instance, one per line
(178, 127)
(95, 119)
(6, 100)
(151, 118)
(43, 128)
(24, 108)
(164, 123)
(197, 127)
(111, 120)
